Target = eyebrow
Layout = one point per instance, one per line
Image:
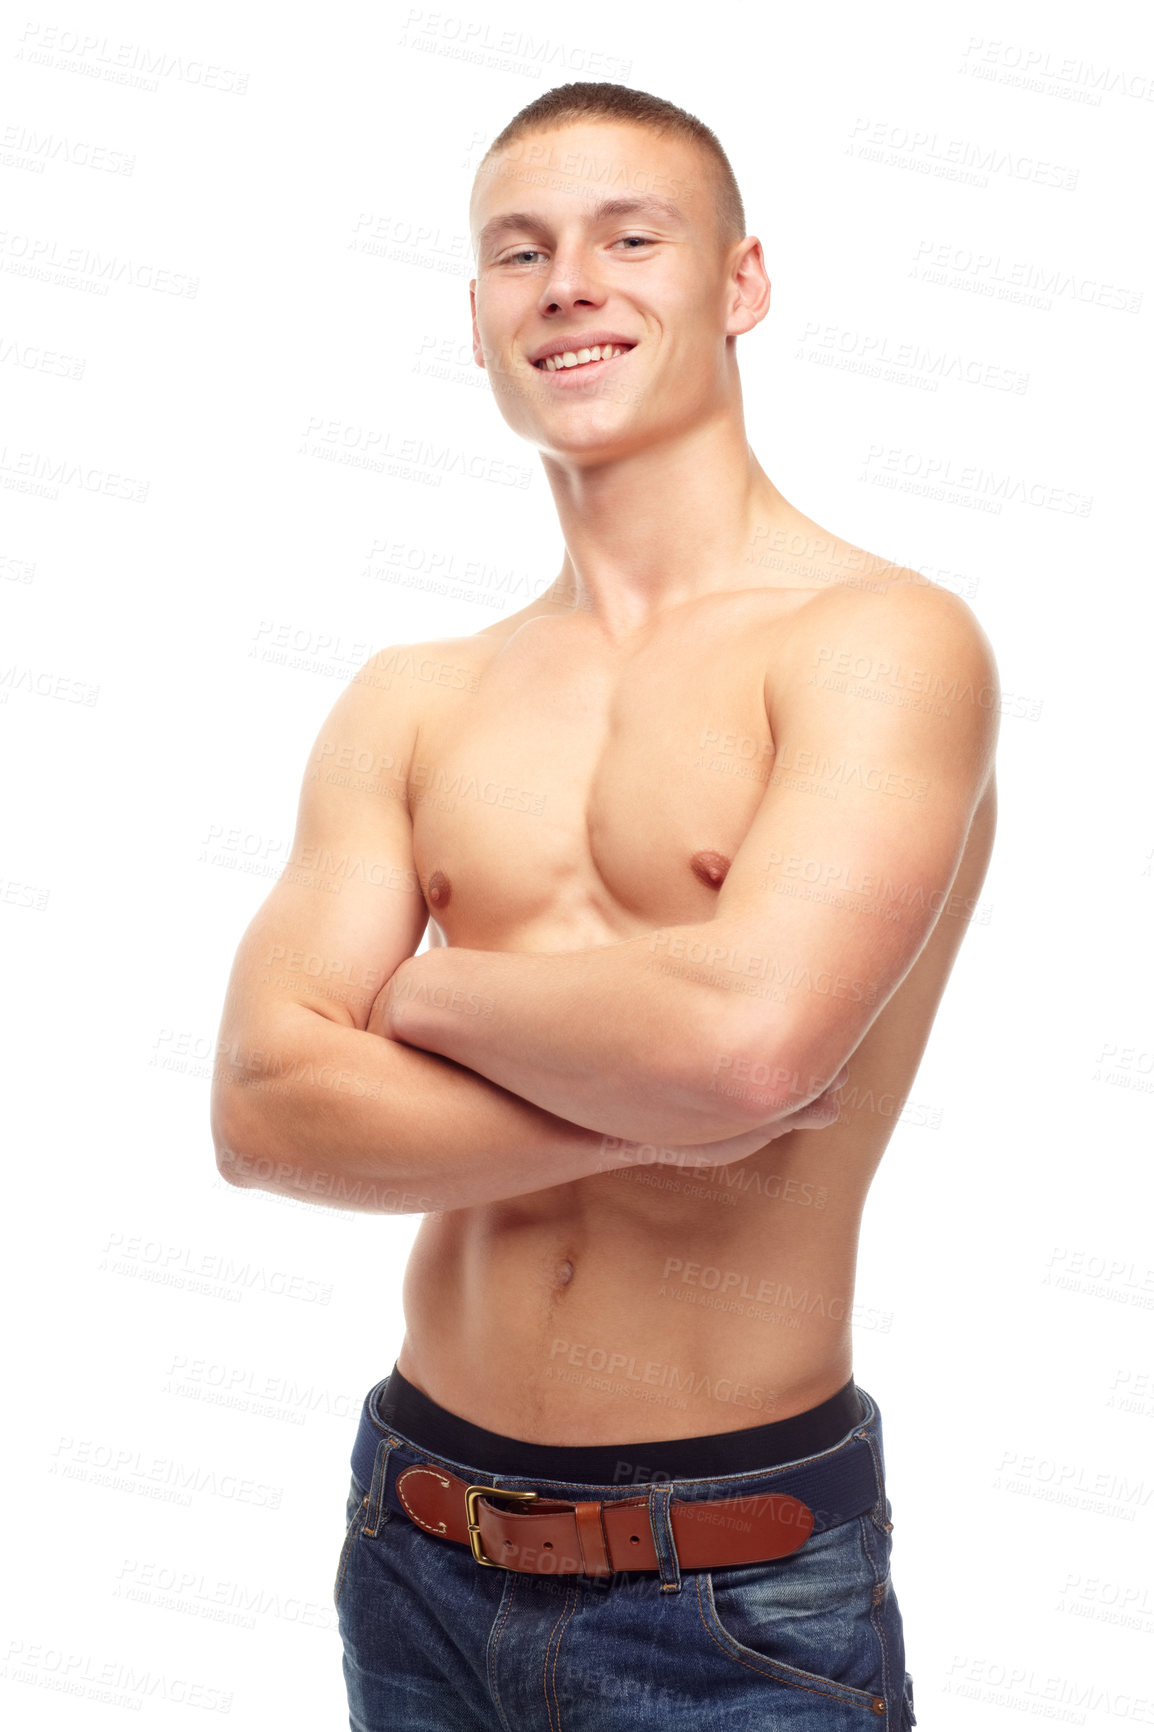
(519, 221)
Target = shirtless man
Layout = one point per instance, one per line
(693, 833)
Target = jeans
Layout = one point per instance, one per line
(811, 1642)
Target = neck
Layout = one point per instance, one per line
(664, 525)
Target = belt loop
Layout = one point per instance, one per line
(660, 1497)
(377, 1490)
(373, 1400)
(870, 1435)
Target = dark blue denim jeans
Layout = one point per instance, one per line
(432, 1640)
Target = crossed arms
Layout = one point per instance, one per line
(712, 1033)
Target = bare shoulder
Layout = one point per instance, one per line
(897, 668)
(433, 670)
(403, 691)
(847, 590)
(897, 613)
(429, 668)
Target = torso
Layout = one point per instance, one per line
(581, 793)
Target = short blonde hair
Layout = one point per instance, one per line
(572, 102)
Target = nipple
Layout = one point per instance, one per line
(711, 868)
(439, 890)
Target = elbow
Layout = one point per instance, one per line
(248, 1157)
(233, 1165)
(241, 1157)
(756, 1074)
(752, 1089)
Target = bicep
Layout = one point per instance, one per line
(849, 860)
(348, 907)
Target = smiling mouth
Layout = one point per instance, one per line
(573, 358)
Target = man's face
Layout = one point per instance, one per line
(593, 234)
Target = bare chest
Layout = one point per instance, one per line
(579, 794)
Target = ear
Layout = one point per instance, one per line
(478, 354)
(747, 288)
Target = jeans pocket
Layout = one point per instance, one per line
(355, 1511)
(804, 1620)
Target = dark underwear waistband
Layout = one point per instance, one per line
(716, 1455)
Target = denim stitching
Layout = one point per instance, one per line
(882, 1578)
(832, 1694)
(376, 1497)
(347, 1551)
(495, 1635)
(661, 1526)
(868, 1438)
(545, 1663)
(565, 1613)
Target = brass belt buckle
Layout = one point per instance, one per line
(472, 1493)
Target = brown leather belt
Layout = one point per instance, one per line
(544, 1536)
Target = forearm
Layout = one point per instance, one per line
(339, 1116)
(637, 1039)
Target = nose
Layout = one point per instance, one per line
(570, 282)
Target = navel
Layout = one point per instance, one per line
(711, 868)
(564, 1273)
(439, 890)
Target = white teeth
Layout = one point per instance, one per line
(581, 357)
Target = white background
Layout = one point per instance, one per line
(205, 328)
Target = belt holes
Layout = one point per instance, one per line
(634, 1540)
(548, 1545)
